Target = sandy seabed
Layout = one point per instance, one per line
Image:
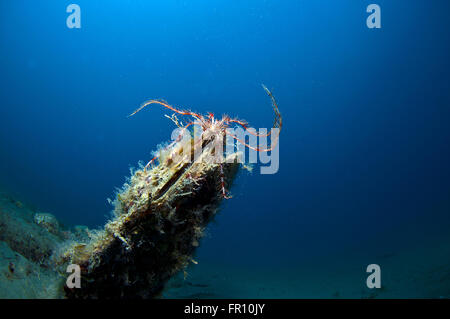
(413, 269)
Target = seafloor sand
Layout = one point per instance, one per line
(422, 271)
(418, 268)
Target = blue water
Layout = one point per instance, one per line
(365, 143)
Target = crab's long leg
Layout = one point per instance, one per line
(222, 182)
(254, 148)
(198, 116)
(150, 162)
(277, 121)
(245, 126)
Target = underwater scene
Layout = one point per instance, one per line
(224, 149)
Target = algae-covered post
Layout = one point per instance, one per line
(160, 213)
